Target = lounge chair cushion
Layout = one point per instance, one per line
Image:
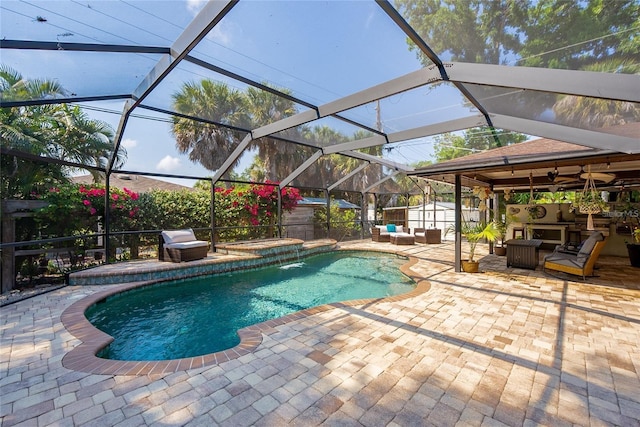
(588, 244)
(187, 245)
(384, 229)
(178, 236)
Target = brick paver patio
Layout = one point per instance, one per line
(503, 347)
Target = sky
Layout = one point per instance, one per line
(320, 51)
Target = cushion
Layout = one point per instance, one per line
(399, 229)
(391, 228)
(187, 245)
(567, 260)
(178, 236)
(588, 244)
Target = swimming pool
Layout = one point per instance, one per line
(193, 317)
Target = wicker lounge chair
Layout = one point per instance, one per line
(431, 235)
(580, 263)
(181, 246)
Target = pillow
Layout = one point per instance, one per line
(178, 236)
(399, 229)
(391, 228)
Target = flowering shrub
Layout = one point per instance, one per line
(249, 211)
(253, 205)
(122, 202)
(77, 209)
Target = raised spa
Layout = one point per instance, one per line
(194, 317)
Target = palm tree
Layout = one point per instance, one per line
(58, 131)
(84, 140)
(582, 111)
(277, 158)
(26, 129)
(209, 144)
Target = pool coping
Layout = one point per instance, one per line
(84, 357)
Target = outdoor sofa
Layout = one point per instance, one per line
(383, 233)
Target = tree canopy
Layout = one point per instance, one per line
(59, 131)
(545, 33)
(449, 145)
(226, 110)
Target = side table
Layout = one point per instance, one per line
(523, 253)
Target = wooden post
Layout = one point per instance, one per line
(8, 254)
(11, 209)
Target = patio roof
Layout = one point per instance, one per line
(354, 75)
(550, 164)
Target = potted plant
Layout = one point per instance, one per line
(474, 232)
(501, 227)
(634, 248)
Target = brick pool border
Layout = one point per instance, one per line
(83, 357)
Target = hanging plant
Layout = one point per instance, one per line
(483, 194)
(589, 201)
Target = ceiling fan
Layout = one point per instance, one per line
(558, 179)
(599, 176)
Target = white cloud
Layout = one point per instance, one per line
(194, 6)
(221, 34)
(128, 143)
(224, 30)
(168, 164)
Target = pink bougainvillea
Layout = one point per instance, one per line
(123, 205)
(253, 204)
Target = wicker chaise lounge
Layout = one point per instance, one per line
(181, 246)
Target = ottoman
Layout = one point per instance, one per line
(402, 239)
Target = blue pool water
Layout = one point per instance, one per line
(199, 316)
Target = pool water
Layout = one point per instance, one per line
(193, 317)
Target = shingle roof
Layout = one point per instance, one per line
(543, 146)
(318, 201)
(137, 183)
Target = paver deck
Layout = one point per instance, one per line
(507, 346)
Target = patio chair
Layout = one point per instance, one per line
(181, 246)
(580, 263)
(430, 235)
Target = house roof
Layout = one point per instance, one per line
(137, 183)
(319, 201)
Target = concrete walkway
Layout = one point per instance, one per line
(503, 347)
